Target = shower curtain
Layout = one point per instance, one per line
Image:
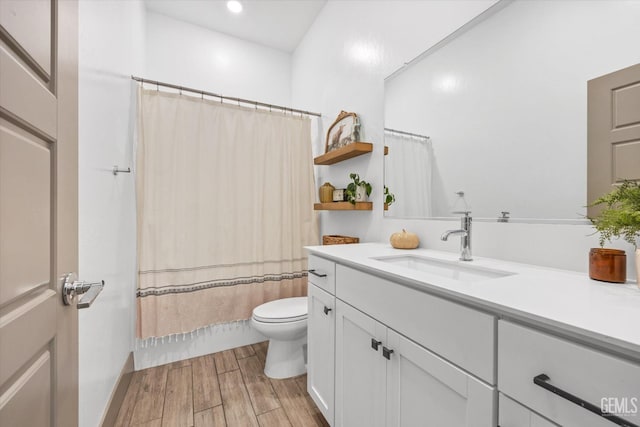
(225, 205)
(408, 175)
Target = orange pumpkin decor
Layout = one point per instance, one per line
(404, 240)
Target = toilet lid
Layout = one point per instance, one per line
(282, 310)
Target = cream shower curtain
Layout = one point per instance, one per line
(225, 205)
(407, 171)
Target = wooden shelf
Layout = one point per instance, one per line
(343, 206)
(348, 151)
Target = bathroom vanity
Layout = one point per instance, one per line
(411, 338)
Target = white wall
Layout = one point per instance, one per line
(353, 80)
(341, 64)
(505, 105)
(111, 37)
(185, 54)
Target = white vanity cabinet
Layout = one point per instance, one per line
(321, 327)
(425, 390)
(322, 273)
(385, 379)
(461, 335)
(589, 375)
(360, 369)
(412, 351)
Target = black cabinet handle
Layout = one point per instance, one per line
(317, 274)
(542, 380)
(327, 309)
(386, 353)
(375, 343)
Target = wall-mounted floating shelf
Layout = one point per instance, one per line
(343, 206)
(347, 152)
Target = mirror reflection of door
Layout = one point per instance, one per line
(38, 212)
(614, 131)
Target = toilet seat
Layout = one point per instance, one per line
(282, 311)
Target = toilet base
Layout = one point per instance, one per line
(285, 359)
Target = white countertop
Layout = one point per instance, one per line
(605, 314)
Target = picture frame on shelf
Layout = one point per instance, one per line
(344, 131)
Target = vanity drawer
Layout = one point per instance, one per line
(322, 273)
(588, 374)
(461, 335)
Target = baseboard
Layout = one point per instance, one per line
(118, 393)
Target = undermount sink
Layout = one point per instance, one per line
(450, 269)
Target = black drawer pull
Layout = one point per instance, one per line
(386, 353)
(375, 343)
(542, 381)
(327, 310)
(316, 274)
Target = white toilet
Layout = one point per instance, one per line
(284, 322)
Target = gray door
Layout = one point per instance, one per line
(613, 131)
(38, 212)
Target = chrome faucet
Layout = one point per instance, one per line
(465, 236)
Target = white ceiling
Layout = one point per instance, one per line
(280, 24)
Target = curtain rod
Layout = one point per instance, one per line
(401, 132)
(228, 98)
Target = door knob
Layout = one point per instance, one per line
(327, 310)
(72, 287)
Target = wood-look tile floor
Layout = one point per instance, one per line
(228, 388)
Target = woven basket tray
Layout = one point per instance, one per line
(339, 240)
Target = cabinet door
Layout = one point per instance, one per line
(512, 414)
(321, 327)
(425, 390)
(360, 369)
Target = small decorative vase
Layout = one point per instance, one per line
(326, 193)
(361, 194)
(608, 265)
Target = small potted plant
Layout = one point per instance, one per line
(620, 217)
(357, 190)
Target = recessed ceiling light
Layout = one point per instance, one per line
(234, 6)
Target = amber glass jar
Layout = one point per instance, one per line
(608, 265)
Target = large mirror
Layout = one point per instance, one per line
(498, 111)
